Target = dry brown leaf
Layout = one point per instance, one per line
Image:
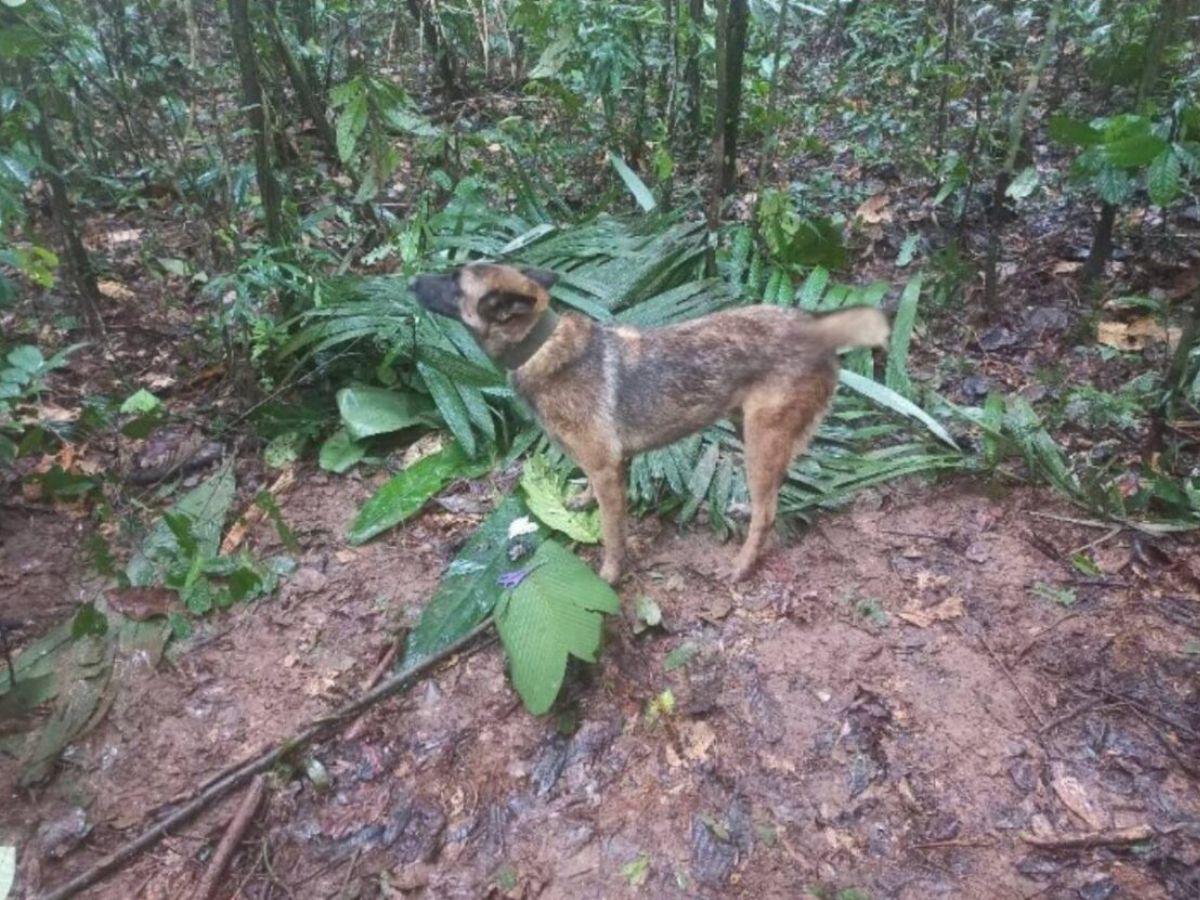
(125, 236)
(950, 608)
(141, 603)
(1135, 335)
(874, 210)
(1066, 267)
(1075, 798)
(114, 290)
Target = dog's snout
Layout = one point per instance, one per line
(437, 293)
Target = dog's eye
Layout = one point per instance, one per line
(502, 306)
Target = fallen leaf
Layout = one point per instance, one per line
(950, 608)
(698, 738)
(114, 290)
(1136, 335)
(1066, 267)
(141, 603)
(874, 210)
(1075, 798)
(124, 236)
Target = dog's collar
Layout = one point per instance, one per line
(521, 352)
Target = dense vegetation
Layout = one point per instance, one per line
(209, 213)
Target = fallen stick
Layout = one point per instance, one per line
(238, 826)
(239, 773)
(1088, 839)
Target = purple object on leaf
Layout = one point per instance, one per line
(510, 580)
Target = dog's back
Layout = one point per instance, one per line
(670, 382)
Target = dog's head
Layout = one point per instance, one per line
(499, 304)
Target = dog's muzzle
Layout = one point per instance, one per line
(437, 293)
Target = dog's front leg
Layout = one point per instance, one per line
(608, 483)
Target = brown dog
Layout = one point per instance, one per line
(606, 392)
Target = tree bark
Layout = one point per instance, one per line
(78, 264)
(252, 101)
(691, 70)
(1160, 34)
(442, 52)
(306, 91)
(732, 20)
(773, 92)
(1016, 133)
(1093, 267)
(944, 93)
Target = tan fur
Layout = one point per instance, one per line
(606, 393)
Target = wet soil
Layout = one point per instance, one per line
(891, 705)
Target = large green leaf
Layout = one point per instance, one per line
(1113, 185)
(450, 405)
(637, 187)
(1164, 178)
(370, 410)
(203, 511)
(896, 375)
(1070, 131)
(544, 494)
(470, 586)
(1134, 150)
(351, 123)
(340, 452)
(554, 612)
(889, 399)
(408, 491)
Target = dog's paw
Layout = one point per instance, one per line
(611, 572)
(737, 572)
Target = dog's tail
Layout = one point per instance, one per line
(860, 326)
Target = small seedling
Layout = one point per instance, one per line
(637, 870)
(1056, 595)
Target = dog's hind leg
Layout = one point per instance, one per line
(780, 419)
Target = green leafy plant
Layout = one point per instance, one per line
(22, 379)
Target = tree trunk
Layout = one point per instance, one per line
(773, 93)
(732, 19)
(1093, 268)
(252, 101)
(1160, 34)
(1173, 385)
(78, 265)
(944, 93)
(441, 50)
(691, 70)
(1016, 134)
(306, 91)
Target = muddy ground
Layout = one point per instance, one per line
(889, 706)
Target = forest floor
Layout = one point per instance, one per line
(888, 706)
(894, 704)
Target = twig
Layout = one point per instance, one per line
(1041, 634)
(1068, 716)
(240, 773)
(233, 836)
(1086, 523)
(1104, 538)
(385, 662)
(956, 842)
(1087, 839)
(1009, 675)
(349, 873)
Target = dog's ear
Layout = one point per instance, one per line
(500, 307)
(544, 277)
